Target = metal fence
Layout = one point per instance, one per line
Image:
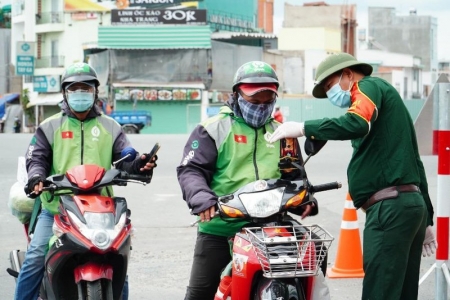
(50, 17)
(50, 62)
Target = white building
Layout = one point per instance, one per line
(403, 71)
(60, 35)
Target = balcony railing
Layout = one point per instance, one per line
(50, 62)
(50, 17)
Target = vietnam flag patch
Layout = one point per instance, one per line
(67, 135)
(240, 139)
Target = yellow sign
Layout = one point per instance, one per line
(85, 5)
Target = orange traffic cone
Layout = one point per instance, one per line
(349, 263)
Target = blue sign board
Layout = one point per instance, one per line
(25, 58)
(46, 84)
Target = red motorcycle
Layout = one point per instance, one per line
(275, 257)
(88, 255)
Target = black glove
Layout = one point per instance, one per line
(139, 163)
(32, 182)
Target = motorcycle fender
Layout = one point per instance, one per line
(92, 271)
(244, 268)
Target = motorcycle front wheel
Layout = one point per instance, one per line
(99, 290)
(290, 289)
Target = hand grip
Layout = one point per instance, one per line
(325, 187)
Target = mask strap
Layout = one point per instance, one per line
(349, 85)
(340, 77)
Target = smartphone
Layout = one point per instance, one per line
(153, 152)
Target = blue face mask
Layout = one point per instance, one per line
(80, 101)
(255, 115)
(338, 96)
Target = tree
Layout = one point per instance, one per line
(28, 111)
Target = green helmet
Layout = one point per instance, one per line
(255, 72)
(79, 72)
(331, 65)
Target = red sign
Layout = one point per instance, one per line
(67, 135)
(240, 139)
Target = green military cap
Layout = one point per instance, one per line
(332, 64)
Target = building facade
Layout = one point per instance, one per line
(318, 25)
(149, 55)
(310, 32)
(444, 68)
(403, 71)
(411, 34)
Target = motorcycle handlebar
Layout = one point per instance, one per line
(325, 187)
(142, 178)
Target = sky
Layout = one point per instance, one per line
(439, 9)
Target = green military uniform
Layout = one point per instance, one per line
(385, 154)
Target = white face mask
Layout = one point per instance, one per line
(80, 100)
(339, 97)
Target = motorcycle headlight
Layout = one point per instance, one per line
(101, 239)
(99, 227)
(264, 203)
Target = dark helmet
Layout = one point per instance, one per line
(255, 72)
(79, 72)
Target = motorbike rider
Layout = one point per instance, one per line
(79, 134)
(386, 176)
(221, 155)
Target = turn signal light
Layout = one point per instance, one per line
(296, 200)
(232, 212)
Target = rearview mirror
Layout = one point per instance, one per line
(312, 147)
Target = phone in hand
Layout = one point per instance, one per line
(153, 152)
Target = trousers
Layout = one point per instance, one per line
(393, 237)
(211, 256)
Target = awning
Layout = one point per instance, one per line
(226, 35)
(6, 99)
(46, 99)
(179, 85)
(9, 98)
(84, 5)
(154, 37)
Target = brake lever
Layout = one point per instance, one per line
(51, 188)
(217, 213)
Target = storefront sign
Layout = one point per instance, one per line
(152, 94)
(25, 58)
(230, 21)
(83, 16)
(46, 83)
(157, 16)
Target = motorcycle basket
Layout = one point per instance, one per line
(290, 251)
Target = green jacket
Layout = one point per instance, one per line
(62, 142)
(221, 155)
